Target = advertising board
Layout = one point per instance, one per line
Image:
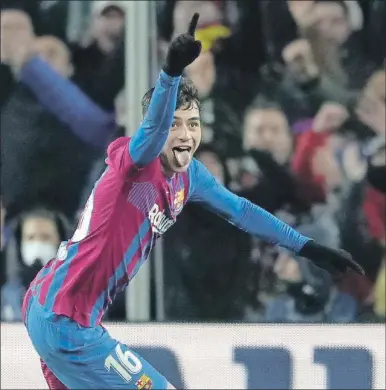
(231, 356)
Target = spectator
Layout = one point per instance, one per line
(291, 121)
(370, 111)
(362, 226)
(266, 128)
(214, 163)
(205, 272)
(337, 40)
(310, 296)
(55, 53)
(278, 35)
(336, 153)
(304, 87)
(37, 142)
(263, 173)
(265, 179)
(16, 30)
(315, 159)
(36, 238)
(99, 60)
(48, 80)
(211, 14)
(48, 17)
(226, 76)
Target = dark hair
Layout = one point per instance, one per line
(187, 95)
(263, 103)
(112, 7)
(62, 225)
(342, 3)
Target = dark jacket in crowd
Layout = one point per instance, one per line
(223, 110)
(206, 266)
(7, 83)
(376, 177)
(360, 233)
(277, 187)
(301, 101)
(279, 28)
(99, 75)
(376, 31)
(47, 143)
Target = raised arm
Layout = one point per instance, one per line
(67, 102)
(206, 190)
(150, 138)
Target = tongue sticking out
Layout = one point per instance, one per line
(182, 157)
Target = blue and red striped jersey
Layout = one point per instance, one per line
(131, 205)
(125, 213)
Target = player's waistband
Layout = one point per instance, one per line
(31, 302)
(65, 334)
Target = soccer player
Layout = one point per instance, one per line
(147, 181)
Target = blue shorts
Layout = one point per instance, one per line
(86, 358)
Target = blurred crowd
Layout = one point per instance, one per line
(293, 113)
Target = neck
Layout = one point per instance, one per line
(168, 173)
(166, 170)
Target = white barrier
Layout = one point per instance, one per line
(199, 356)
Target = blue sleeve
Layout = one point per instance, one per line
(68, 103)
(205, 189)
(149, 140)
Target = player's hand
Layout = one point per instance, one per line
(183, 50)
(336, 262)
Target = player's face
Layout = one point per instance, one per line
(184, 139)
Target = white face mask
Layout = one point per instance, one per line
(37, 250)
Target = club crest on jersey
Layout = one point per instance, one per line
(179, 200)
(144, 383)
(160, 223)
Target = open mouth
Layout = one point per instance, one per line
(182, 154)
(182, 148)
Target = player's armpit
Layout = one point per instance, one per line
(149, 140)
(240, 212)
(118, 156)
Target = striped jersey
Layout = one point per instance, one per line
(127, 211)
(131, 205)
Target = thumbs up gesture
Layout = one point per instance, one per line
(183, 50)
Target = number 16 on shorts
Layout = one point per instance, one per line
(127, 364)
